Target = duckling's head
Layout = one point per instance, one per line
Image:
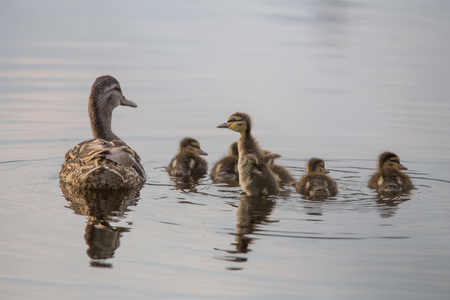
(106, 94)
(239, 122)
(316, 165)
(234, 150)
(389, 160)
(190, 144)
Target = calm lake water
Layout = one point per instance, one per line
(341, 80)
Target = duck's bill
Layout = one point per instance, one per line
(224, 125)
(127, 102)
(402, 167)
(203, 152)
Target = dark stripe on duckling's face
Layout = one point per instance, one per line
(194, 146)
(316, 165)
(394, 162)
(237, 123)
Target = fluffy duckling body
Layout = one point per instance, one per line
(105, 162)
(188, 161)
(255, 177)
(226, 170)
(389, 179)
(241, 122)
(315, 184)
(281, 174)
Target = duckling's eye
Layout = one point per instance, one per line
(232, 120)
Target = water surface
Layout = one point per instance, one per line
(341, 80)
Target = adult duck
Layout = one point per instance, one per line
(104, 162)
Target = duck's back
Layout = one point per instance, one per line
(187, 164)
(317, 185)
(100, 164)
(258, 181)
(225, 170)
(390, 180)
(281, 174)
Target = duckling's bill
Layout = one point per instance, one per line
(224, 125)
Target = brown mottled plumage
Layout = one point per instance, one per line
(188, 161)
(226, 170)
(255, 177)
(389, 179)
(315, 184)
(241, 122)
(281, 174)
(105, 162)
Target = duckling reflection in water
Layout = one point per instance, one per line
(315, 184)
(226, 170)
(389, 180)
(251, 212)
(188, 163)
(254, 176)
(105, 162)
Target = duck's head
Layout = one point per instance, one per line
(233, 150)
(316, 165)
(389, 160)
(190, 144)
(106, 94)
(239, 122)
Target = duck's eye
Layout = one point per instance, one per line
(232, 120)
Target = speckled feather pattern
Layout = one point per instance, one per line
(225, 170)
(390, 180)
(187, 163)
(86, 166)
(317, 185)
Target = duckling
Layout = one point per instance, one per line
(188, 161)
(389, 179)
(226, 170)
(241, 122)
(255, 177)
(315, 183)
(105, 162)
(281, 174)
(270, 157)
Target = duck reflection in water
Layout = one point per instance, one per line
(387, 204)
(101, 207)
(252, 212)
